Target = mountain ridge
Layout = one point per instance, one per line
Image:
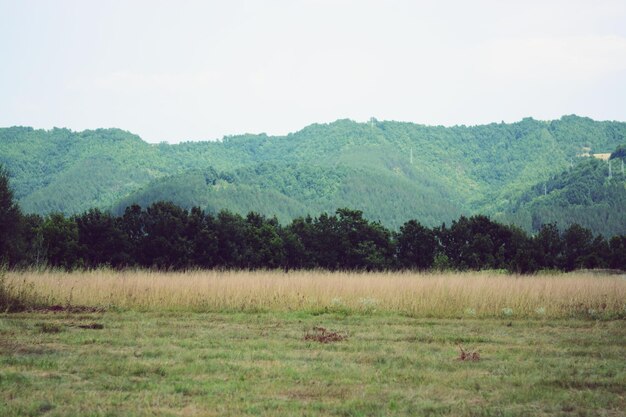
(393, 171)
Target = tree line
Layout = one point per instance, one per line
(166, 236)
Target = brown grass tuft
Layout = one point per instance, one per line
(320, 334)
(468, 355)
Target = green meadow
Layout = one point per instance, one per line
(114, 363)
(311, 343)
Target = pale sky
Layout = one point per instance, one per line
(199, 70)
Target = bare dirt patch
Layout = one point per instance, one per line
(92, 326)
(322, 335)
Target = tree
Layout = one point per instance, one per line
(60, 237)
(416, 246)
(620, 152)
(617, 246)
(264, 245)
(358, 243)
(202, 234)
(479, 243)
(577, 247)
(165, 244)
(133, 225)
(231, 237)
(102, 240)
(33, 251)
(10, 220)
(299, 238)
(327, 246)
(549, 246)
(294, 253)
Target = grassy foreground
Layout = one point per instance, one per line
(244, 364)
(234, 345)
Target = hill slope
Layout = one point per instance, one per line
(583, 194)
(392, 171)
(289, 191)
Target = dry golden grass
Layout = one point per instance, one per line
(480, 294)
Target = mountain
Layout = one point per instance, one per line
(393, 171)
(290, 190)
(582, 194)
(69, 172)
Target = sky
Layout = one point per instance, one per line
(199, 70)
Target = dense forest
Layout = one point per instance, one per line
(166, 236)
(391, 171)
(583, 194)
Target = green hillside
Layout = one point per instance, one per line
(288, 191)
(393, 171)
(61, 170)
(583, 194)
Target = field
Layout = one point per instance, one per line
(239, 343)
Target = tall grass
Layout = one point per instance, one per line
(480, 294)
(17, 295)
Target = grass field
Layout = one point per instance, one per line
(205, 343)
(437, 295)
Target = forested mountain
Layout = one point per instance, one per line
(392, 171)
(69, 172)
(583, 194)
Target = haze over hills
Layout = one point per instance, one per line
(393, 171)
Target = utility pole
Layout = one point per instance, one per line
(545, 189)
(622, 166)
(411, 158)
(610, 173)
